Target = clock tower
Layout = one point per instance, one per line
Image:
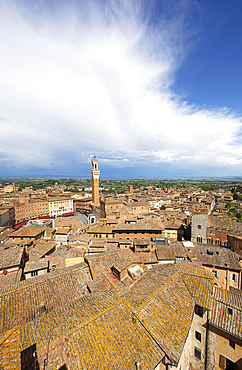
(95, 173)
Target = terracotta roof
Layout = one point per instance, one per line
(163, 304)
(103, 262)
(215, 256)
(10, 351)
(62, 231)
(137, 226)
(172, 312)
(20, 301)
(165, 253)
(148, 286)
(122, 263)
(199, 283)
(10, 257)
(106, 282)
(36, 265)
(100, 230)
(86, 334)
(226, 311)
(27, 232)
(178, 249)
(146, 257)
(41, 249)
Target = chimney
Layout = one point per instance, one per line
(138, 365)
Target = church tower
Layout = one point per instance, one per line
(95, 173)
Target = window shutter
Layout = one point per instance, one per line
(218, 274)
(236, 278)
(222, 362)
(231, 277)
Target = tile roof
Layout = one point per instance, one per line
(104, 261)
(43, 263)
(226, 311)
(62, 231)
(215, 256)
(178, 249)
(164, 252)
(41, 249)
(27, 232)
(100, 230)
(94, 332)
(147, 287)
(138, 226)
(10, 257)
(10, 356)
(122, 263)
(20, 301)
(168, 317)
(199, 283)
(146, 257)
(162, 302)
(106, 282)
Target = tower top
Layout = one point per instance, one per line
(95, 170)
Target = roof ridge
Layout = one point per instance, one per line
(157, 291)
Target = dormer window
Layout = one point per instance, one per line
(210, 253)
(230, 311)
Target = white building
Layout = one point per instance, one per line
(58, 207)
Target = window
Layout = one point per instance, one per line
(218, 242)
(198, 336)
(198, 310)
(232, 343)
(199, 227)
(233, 277)
(222, 362)
(216, 274)
(197, 353)
(230, 311)
(199, 239)
(210, 241)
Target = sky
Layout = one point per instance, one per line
(152, 88)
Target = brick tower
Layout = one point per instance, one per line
(95, 173)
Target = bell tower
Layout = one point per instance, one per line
(95, 173)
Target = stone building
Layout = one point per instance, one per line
(199, 227)
(95, 173)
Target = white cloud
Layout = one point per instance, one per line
(96, 78)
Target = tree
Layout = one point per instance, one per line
(235, 196)
(205, 187)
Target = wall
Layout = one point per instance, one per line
(218, 344)
(224, 280)
(199, 219)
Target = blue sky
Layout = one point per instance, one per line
(153, 88)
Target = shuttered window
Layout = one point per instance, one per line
(222, 362)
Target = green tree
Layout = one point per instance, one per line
(206, 187)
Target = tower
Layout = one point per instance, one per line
(95, 173)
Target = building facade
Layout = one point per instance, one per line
(95, 173)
